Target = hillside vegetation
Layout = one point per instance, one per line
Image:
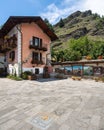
(80, 34)
(77, 25)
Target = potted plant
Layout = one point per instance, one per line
(73, 77)
(96, 79)
(79, 78)
(27, 75)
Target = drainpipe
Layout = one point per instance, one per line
(47, 57)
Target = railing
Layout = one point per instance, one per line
(41, 61)
(37, 62)
(8, 44)
(43, 47)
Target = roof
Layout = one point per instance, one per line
(14, 20)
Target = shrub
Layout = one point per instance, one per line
(14, 77)
(75, 55)
(25, 74)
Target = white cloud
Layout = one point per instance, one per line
(53, 12)
(97, 6)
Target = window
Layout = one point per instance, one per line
(37, 41)
(36, 56)
(12, 55)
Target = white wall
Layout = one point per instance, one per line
(33, 69)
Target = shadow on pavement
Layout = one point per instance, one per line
(48, 79)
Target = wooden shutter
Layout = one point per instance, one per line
(13, 55)
(40, 42)
(40, 56)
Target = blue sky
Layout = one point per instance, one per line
(51, 9)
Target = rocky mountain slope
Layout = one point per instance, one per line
(77, 25)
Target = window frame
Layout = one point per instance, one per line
(12, 55)
(36, 41)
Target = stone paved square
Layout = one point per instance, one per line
(72, 105)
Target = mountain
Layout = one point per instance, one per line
(77, 25)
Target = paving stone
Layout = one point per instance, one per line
(73, 105)
(64, 127)
(7, 110)
(8, 124)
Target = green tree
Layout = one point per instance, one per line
(67, 53)
(75, 55)
(78, 48)
(49, 24)
(97, 49)
(61, 23)
(53, 55)
(82, 45)
(96, 16)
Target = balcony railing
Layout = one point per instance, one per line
(8, 44)
(37, 62)
(7, 47)
(43, 47)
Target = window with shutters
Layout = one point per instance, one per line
(37, 42)
(36, 58)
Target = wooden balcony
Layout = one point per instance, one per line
(8, 47)
(43, 47)
(8, 44)
(37, 62)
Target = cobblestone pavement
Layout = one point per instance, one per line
(54, 105)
